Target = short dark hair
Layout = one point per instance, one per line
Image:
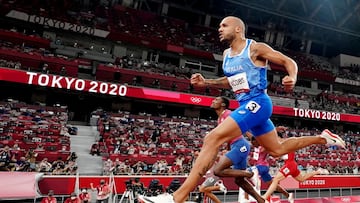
(226, 101)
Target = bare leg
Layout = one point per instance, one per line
(208, 192)
(276, 148)
(282, 191)
(222, 169)
(273, 185)
(224, 132)
(279, 189)
(304, 176)
(248, 188)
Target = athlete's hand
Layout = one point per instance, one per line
(197, 80)
(281, 128)
(289, 83)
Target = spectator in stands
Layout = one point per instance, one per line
(131, 149)
(58, 170)
(49, 198)
(72, 157)
(84, 196)
(15, 147)
(103, 191)
(45, 69)
(59, 163)
(40, 147)
(156, 135)
(175, 169)
(31, 156)
(355, 169)
(173, 86)
(44, 165)
(6, 158)
(117, 147)
(138, 167)
(63, 71)
(138, 185)
(72, 199)
(156, 83)
(70, 168)
(108, 164)
(95, 149)
(22, 164)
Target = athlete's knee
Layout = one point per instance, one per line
(239, 181)
(218, 172)
(300, 178)
(277, 151)
(201, 189)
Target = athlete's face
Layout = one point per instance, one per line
(228, 29)
(216, 103)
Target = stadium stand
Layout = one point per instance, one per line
(141, 143)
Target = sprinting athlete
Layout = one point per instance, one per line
(290, 168)
(245, 69)
(233, 163)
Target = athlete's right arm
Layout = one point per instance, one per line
(198, 80)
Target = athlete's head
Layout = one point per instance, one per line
(220, 103)
(230, 28)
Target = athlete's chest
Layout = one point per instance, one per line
(237, 64)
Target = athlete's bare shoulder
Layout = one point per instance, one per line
(258, 45)
(260, 49)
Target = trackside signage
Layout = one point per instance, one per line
(45, 21)
(99, 87)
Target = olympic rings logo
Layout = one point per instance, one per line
(195, 99)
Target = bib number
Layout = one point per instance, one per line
(253, 106)
(239, 83)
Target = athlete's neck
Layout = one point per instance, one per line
(220, 112)
(238, 44)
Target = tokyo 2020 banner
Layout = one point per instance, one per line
(99, 87)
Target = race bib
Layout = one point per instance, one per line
(256, 154)
(243, 149)
(253, 106)
(286, 171)
(239, 83)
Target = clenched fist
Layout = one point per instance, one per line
(197, 80)
(289, 83)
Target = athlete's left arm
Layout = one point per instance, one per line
(264, 51)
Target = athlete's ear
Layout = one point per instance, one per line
(223, 104)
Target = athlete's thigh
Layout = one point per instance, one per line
(239, 153)
(225, 131)
(270, 141)
(224, 163)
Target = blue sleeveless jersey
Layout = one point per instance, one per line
(256, 75)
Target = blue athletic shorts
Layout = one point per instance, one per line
(264, 172)
(238, 153)
(254, 115)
